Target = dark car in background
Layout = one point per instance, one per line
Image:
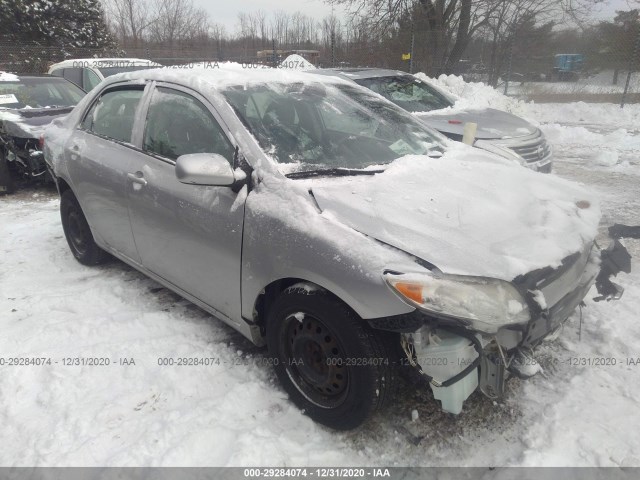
(28, 103)
(499, 132)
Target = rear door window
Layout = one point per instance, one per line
(113, 115)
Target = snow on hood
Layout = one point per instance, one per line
(466, 213)
(491, 123)
(29, 123)
(297, 62)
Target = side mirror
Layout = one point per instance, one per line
(204, 169)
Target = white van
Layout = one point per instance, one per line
(89, 72)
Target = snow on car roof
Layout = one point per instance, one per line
(363, 72)
(223, 75)
(105, 62)
(8, 77)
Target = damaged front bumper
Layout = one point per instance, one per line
(457, 360)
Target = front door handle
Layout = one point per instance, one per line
(75, 148)
(137, 178)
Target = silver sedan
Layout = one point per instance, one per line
(329, 224)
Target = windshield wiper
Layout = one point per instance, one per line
(336, 172)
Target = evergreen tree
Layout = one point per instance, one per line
(77, 23)
(34, 33)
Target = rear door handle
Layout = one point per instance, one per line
(137, 178)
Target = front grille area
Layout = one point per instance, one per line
(533, 150)
(555, 283)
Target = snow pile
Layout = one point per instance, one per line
(607, 158)
(582, 113)
(475, 95)
(601, 135)
(620, 138)
(297, 62)
(599, 148)
(590, 396)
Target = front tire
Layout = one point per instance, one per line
(78, 233)
(330, 362)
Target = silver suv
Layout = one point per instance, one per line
(499, 132)
(329, 224)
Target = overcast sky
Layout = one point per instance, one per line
(226, 11)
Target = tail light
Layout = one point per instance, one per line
(41, 141)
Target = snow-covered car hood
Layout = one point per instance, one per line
(491, 123)
(467, 213)
(29, 122)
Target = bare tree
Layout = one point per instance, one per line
(131, 19)
(449, 23)
(280, 27)
(220, 38)
(263, 29)
(504, 23)
(177, 20)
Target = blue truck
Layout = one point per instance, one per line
(567, 67)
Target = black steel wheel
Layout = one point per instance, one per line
(330, 362)
(78, 233)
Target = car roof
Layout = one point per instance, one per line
(357, 73)
(90, 62)
(219, 76)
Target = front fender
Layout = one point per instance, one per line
(285, 236)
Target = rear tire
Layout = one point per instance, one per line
(6, 181)
(78, 233)
(330, 362)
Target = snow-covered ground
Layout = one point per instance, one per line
(233, 412)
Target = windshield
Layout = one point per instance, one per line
(108, 71)
(407, 92)
(311, 126)
(39, 92)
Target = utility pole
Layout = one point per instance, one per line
(273, 55)
(633, 63)
(413, 42)
(506, 83)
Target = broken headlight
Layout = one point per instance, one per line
(484, 304)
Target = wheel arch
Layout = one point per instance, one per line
(62, 185)
(263, 302)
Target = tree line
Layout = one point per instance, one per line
(484, 37)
